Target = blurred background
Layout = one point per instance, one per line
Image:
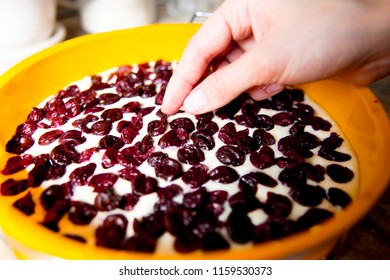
(49, 22)
(31, 26)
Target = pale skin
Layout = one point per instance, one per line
(259, 46)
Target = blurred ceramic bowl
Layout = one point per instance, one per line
(355, 109)
(25, 23)
(10, 58)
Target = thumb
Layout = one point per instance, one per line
(226, 83)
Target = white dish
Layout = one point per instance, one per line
(5, 251)
(9, 59)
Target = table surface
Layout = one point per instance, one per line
(367, 240)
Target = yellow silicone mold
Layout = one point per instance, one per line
(355, 109)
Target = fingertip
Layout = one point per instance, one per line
(195, 102)
(175, 93)
(167, 110)
(168, 106)
(265, 91)
(274, 88)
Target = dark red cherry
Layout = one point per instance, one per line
(332, 142)
(38, 174)
(229, 135)
(230, 155)
(264, 122)
(264, 158)
(128, 134)
(169, 192)
(223, 174)
(17, 163)
(101, 127)
(156, 158)
(19, 144)
(184, 123)
(143, 185)
(247, 144)
(36, 115)
(171, 138)
(263, 137)
(339, 173)
(277, 204)
(83, 122)
(110, 141)
(13, 187)
(339, 197)
(131, 107)
(312, 217)
(86, 155)
(190, 154)
(53, 194)
(72, 137)
(82, 213)
(318, 123)
(70, 91)
(157, 127)
(55, 172)
(72, 108)
(230, 110)
(169, 169)
(141, 243)
(205, 117)
(55, 214)
(195, 199)
(214, 241)
(80, 175)
(103, 181)
(240, 227)
(63, 154)
(128, 173)
(112, 232)
(218, 196)
(112, 115)
(283, 119)
(307, 195)
(128, 201)
(108, 98)
(203, 139)
(210, 127)
(333, 155)
(25, 204)
(27, 128)
(196, 176)
(107, 201)
(274, 228)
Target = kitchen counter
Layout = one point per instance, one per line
(369, 239)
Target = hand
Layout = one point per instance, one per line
(258, 46)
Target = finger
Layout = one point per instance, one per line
(226, 83)
(212, 39)
(265, 91)
(219, 64)
(193, 63)
(239, 48)
(234, 53)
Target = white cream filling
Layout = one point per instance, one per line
(144, 207)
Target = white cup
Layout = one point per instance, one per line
(106, 15)
(24, 23)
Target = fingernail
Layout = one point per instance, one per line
(195, 101)
(274, 88)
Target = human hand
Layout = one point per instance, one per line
(258, 46)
